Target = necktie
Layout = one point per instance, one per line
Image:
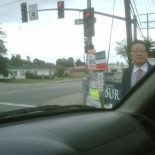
(139, 75)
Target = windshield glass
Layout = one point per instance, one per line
(81, 52)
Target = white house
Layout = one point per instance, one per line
(19, 72)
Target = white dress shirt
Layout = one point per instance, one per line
(135, 69)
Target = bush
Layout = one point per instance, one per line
(30, 75)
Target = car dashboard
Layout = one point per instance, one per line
(79, 133)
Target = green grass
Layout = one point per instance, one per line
(37, 80)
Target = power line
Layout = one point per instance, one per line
(136, 10)
(10, 3)
(138, 21)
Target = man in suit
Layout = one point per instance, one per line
(140, 65)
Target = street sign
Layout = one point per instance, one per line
(78, 21)
(33, 12)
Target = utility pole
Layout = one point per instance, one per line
(147, 26)
(135, 27)
(147, 22)
(128, 27)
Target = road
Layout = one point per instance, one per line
(16, 96)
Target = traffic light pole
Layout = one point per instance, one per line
(89, 39)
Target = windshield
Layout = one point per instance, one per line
(81, 52)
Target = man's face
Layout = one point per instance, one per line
(139, 55)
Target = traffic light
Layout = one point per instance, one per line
(60, 6)
(24, 12)
(88, 22)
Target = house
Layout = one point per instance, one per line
(20, 72)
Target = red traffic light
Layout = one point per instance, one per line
(87, 14)
(60, 4)
(88, 22)
(60, 7)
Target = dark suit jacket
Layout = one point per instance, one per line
(126, 78)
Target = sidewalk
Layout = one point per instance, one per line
(73, 99)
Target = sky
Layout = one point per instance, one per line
(50, 38)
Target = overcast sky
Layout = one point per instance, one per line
(50, 38)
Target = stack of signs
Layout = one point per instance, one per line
(95, 90)
(96, 60)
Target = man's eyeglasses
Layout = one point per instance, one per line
(140, 51)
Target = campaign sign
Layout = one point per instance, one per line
(100, 81)
(92, 102)
(91, 59)
(100, 58)
(113, 94)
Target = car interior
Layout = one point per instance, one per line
(127, 129)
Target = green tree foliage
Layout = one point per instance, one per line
(60, 71)
(65, 62)
(3, 66)
(70, 62)
(3, 51)
(16, 60)
(38, 62)
(41, 63)
(78, 62)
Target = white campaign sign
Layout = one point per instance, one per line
(94, 103)
(100, 80)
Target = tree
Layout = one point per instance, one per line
(27, 62)
(38, 63)
(65, 62)
(61, 62)
(3, 66)
(16, 60)
(60, 71)
(121, 48)
(3, 49)
(70, 62)
(78, 62)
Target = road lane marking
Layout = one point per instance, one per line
(57, 87)
(17, 105)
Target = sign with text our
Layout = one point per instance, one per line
(113, 94)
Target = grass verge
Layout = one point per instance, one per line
(37, 80)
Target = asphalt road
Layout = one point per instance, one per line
(17, 96)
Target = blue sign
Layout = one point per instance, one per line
(100, 55)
